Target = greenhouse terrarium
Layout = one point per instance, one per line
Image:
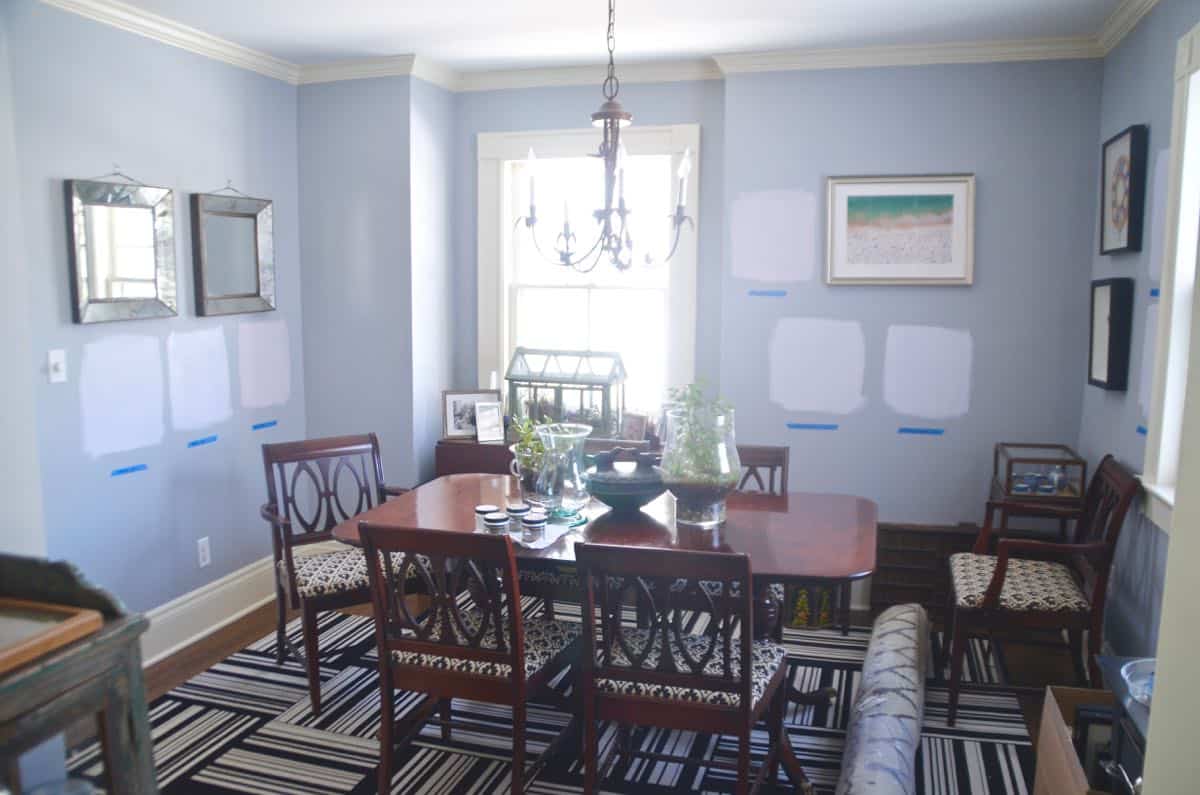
(568, 386)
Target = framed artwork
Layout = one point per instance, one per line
(633, 426)
(901, 230)
(458, 411)
(1123, 190)
(1112, 322)
(489, 421)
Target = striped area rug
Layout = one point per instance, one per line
(245, 726)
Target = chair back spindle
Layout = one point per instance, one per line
(1106, 504)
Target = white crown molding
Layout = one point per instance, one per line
(910, 55)
(651, 72)
(167, 31)
(1122, 21)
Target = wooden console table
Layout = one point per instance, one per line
(98, 675)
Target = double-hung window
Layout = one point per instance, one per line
(646, 313)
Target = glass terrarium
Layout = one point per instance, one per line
(587, 387)
(1038, 471)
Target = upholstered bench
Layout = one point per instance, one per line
(885, 723)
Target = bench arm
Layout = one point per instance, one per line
(983, 541)
(393, 491)
(269, 513)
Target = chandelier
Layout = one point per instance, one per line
(614, 239)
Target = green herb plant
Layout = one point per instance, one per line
(696, 440)
(529, 449)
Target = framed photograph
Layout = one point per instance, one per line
(458, 411)
(901, 230)
(1123, 190)
(1112, 322)
(633, 426)
(489, 421)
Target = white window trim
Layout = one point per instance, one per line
(495, 229)
(1161, 464)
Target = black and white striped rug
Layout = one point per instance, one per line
(245, 726)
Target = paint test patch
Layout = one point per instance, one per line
(1149, 344)
(1157, 193)
(760, 250)
(927, 371)
(264, 363)
(121, 394)
(198, 375)
(816, 364)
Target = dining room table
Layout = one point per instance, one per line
(796, 538)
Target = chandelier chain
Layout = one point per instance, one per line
(611, 84)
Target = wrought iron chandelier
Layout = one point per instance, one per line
(614, 239)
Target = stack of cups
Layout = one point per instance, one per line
(532, 526)
(496, 522)
(482, 511)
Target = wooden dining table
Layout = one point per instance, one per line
(792, 538)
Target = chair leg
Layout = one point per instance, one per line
(957, 652)
(743, 780)
(548, 605)
(447, 709)
(280, 625)
(1075, 638)
(312, 659)
(591, 747)
(1093, 668)
(518, 754)
(775, 730)
(387, 723)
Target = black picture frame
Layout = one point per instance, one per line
(1108, 344)
(1132, 209)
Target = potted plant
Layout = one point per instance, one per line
(528, 452)
(700, 464)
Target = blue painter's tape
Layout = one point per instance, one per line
(1143, 430)
(262, 426)
(128, 470)
(1154, 292)
(922, 431)
(766, 293)
(202, 442)
(812, 426)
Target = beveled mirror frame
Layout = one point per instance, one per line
(86, 308)
(263, 300)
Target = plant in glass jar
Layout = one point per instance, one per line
(700, 464)
(528, 452)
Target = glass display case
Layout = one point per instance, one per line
(1032, 471)
(568, 386)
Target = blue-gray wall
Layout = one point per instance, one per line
(1137, 89)
(355, 233)
(86, 95)
(433, 168)
(698, 102)
(1024, 130)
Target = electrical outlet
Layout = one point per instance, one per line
(203, 553)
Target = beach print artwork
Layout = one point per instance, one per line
(901, 230)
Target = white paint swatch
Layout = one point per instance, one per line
(1157, 227)
(927, 371)
(121, 394)
(264, 363)
(1149, 345)
(773, 236)
(198, 376)
(817, 364)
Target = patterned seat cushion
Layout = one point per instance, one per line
(765, 659)
(544, 640)
(333, 572)
(716, 588)
(1028, 584)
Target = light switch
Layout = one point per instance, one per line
(56, 366)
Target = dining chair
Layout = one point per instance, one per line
(471, 642)
(312, 486)
(666, 676)
(1025, 584)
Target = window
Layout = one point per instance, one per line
(1182, 245)
(646, 314)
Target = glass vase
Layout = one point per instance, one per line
(562, 488)
(700, 463)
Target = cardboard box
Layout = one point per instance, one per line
(1059, 771)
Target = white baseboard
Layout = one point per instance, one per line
(188, 618)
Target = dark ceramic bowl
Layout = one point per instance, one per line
(625, 491)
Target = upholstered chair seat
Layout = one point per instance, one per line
(1028, 584)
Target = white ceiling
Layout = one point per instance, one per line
(488, 34)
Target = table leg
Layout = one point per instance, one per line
(843, 593)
